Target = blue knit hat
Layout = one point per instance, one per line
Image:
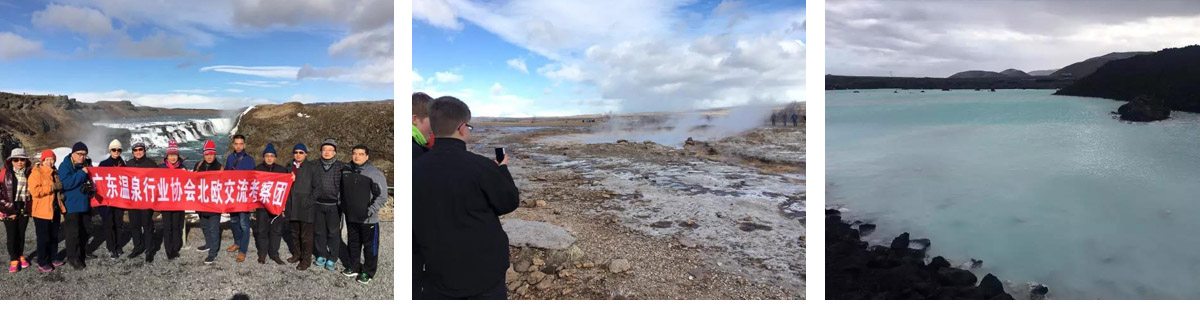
(270, 149)
(79, 146)
(300, 146)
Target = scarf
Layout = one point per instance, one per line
(22, 186)
(327, 163)
(419, 137)
(173, 166)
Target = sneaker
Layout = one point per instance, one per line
(210, 259)
(114, 255)
(202, 248)
(14, 266)
(320, 262)
(330, 265)
(348, 272)
(58, 264)
(24, 263)
(363, 278)
(45, 270)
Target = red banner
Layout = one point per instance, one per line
(181, 190)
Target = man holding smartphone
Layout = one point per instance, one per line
(458, 197)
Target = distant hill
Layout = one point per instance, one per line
(977, 74)
(1169, 76)
(370, 123)
(835, 82)
(1042, 72)
(1012, 72)
(1087, 67)
(41, 121)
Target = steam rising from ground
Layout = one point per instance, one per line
(674, 129)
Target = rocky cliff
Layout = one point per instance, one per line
(368, 123)
(1168, 76)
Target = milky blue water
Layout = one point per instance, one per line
(1041, 188)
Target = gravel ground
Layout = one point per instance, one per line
(188, 277)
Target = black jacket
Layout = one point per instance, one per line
(418, 150)
(8, 188)
(214, 166)
(300, 201)
(145, 162)
(458, 198)
(110, 162)
(327, 185)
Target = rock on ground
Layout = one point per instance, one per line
(536, 234)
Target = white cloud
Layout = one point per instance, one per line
(303, 98)
(372, 44)
(267, 84)
(416, 78)
(437, 13)
(234, 90)
(518, 64)
(194, 91)
(654, 55)
(14, 46)
(927, 39)
(75, 19)
(447, 77)
(288, 72)
(160, 45)
(497, 90)
(547, 91)
(170, 100)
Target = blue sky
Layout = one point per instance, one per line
(209, 54)
(544, 58)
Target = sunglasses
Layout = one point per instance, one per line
(139, 149)
(298, 153)
(115, 150)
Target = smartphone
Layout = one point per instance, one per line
(500, 154)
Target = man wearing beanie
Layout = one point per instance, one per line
(211, 222)
(268, 229)
(327, 223)
(73, 173)
(142, 220)
(239, 222)
(172, 220)
(112, 219)
(300, 206)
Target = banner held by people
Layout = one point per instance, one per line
(177, 190)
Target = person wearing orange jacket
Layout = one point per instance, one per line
(46, 190)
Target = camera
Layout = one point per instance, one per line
(88, 188)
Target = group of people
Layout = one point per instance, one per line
(784, 119)
(325, 194)
(460, 250)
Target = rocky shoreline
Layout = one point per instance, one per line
(856, 270)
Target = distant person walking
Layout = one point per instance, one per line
(239, 222)
(327, 222)
(15, 205)
(300, 205)
(172, 224)
(458, 197)
(364, 192)
(74, 175)
(795, 118)
(112, 219)
(268, 229)
(209, 221)
(773, 115)
(47, 209)
(422, 135)
(142, 220)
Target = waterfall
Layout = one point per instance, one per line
(157, 134)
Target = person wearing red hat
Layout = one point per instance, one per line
(172, 221)
(47, 208)
(211, 222)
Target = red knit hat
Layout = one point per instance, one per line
(173, 147)
(210, 148)
(47, 154)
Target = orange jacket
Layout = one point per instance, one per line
(41, 187)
